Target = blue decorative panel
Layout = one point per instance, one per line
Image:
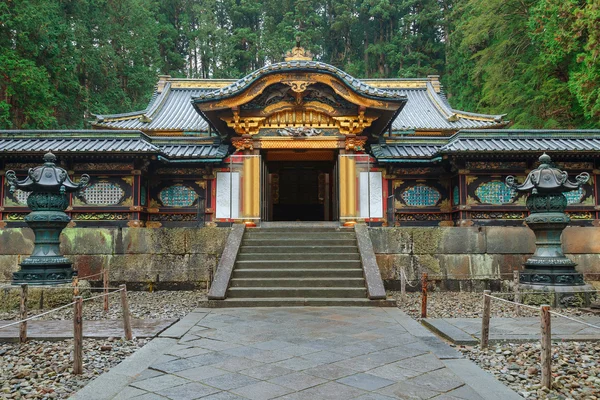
(455, 195)
(575, 196)
(103, 193)
(421, 196)
(178, 196)
(494, 192)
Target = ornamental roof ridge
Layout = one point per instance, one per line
(245, 82)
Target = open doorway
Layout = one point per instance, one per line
(300, 190)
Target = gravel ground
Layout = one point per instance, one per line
(575, 365)
(466, 305)
(575, 368)
(44, 370)
(142, 305)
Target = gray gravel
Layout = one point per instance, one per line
(575, 368)
(575, 365)
(142, 305)
(466, 305)
(44, 370)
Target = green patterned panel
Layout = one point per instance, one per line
(421, 196)
(494, 192)
(575, 196)
(178, 196)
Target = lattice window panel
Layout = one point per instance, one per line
(178, 196)
(21, 196)
(455, 195)
(494, 192)
(421, 196)
(575, 196)
(103, 193)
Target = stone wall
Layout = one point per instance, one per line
(473, 256)
(161, 258)
(187, 257)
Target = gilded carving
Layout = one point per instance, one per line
(355, 143)
(241, 144)
(102, 167)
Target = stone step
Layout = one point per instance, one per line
(298, 282)
(298, 249)
(304, 264)
(298, 273)
(298, 242)
(260, 292)
(293, 228)
(296, 256)
(300, 302)
(292, 234)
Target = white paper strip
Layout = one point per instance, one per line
(228, 195)
(372, 196)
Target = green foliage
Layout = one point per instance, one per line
(536, 60)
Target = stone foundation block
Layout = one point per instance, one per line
(90, 241)
(16, 241)
(510, 240)
(391, 240)
(208, 240)
(581, 240)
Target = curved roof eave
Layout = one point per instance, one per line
(354, 84)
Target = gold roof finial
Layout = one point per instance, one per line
(298, 53)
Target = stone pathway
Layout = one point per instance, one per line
(296, 353)
(63, 329)
(467, 331)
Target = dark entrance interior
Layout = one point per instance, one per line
(301, 190)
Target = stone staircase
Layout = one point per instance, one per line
(296, 266)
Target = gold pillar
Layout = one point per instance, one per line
(251, 187)
(348, 189)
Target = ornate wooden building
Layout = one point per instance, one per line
(299, 140)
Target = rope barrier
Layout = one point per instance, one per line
(102, 295)
(406, 280)
(513, 293)
(511, 302)
(37, 315)
(575, 320)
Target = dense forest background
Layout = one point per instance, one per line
(536, 60)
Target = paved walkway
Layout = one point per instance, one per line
(467, 331)
(102, 329)
(296, 353)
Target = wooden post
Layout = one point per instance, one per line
(403, 283)
(517, 294)
(126, 316)
(105, 284)
(78, 335)
(546, 356)
(23, 325)
(485, 320)
(424, 295)
(75, 285)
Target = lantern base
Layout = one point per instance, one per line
(558, 296)
(42, 275)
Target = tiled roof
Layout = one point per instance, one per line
(429, 111)
(488, 141)
(75, 141)
(170, 111)
(355, 84)
(408, 149)
(119, 142)
(425, 110)
(190, 148)
(523, 141)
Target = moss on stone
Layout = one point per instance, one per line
(538, 298)
(429, 263)
(41, 297)
(426, 240)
